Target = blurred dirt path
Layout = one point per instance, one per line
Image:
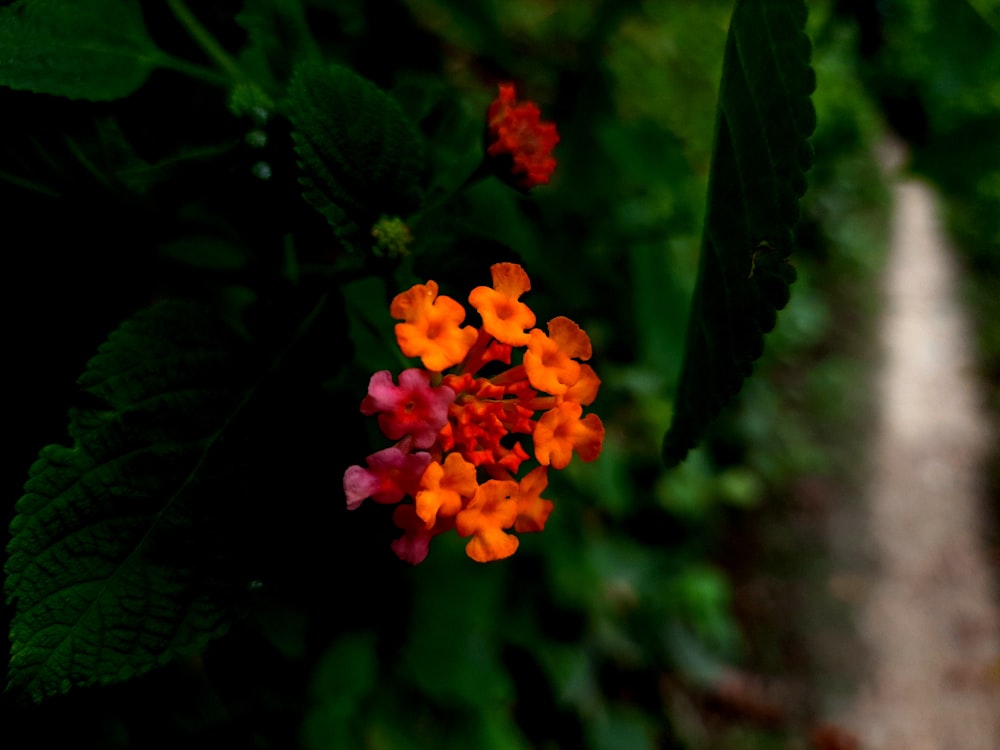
(930, 621)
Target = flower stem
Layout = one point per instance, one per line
(474, 359)
(199, 72)
(480, 173)
(512, 375)
(206, 41)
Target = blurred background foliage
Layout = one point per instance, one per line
(934, 67)
(619, 626)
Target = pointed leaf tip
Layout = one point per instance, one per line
(764, 119)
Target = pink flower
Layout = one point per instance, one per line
(413, 546)
(391, 475)
(415, 543)
(411, 408)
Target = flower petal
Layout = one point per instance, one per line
(493, 509)
(391, 475)
(561, 431)
(432, 327)
(504, 316)
(532, 509)
(411, 408)
(443, 487)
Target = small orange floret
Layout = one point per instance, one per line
(442, 488)
(493, 509)
(549, 369)
(560, 431)
(432, 327)
(532, 509)
(510, 279)
(584, 390)
(504, 316)
(573, 341)
(551, 360)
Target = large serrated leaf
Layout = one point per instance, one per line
(359, 154)
(761, 153)
(109, 566)
(81, 49)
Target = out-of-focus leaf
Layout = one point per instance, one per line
(621, 728)
(452, 130)
(81, 49)
(348, 670)
(450, 654)
(105, 569)
(209, 253)
(989, 10)
(371, 326)
(278, 38)
(761, 153)
(470, 26)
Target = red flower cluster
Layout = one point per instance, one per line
(519, 144)
(457, 455)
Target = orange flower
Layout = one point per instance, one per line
(493, 509)
(532, 509)
(443, 486)
(549, 360)
(561, 431)
(504, 317)
(584, 390)
(431, 328)
(470, 427)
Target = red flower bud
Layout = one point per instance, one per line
(518, 145)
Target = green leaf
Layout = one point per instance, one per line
(989, 10)
(761, 153)
(81, 49)
(205, 252)
(359, 154)
(278, 37)
(114, 561)
(450, 655)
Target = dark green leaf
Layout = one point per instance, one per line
(277, 38)
(761, 154)
(448, 654)
(113, 566)
(81, 49)
(359, 154)
(205, 252)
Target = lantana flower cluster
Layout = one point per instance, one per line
(518, 143)
(462, 437)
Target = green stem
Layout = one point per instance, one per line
(207, 42)
(21, 182)
(480, 173)
(194, 70)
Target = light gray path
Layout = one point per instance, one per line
(929, 620)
